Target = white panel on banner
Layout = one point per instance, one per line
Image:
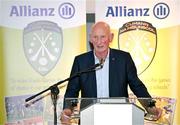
(66, 13)
(161, 14)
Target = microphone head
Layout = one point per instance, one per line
(102, 62)
(98, 65)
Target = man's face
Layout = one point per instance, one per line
(100, 38)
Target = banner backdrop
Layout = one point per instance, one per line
(150, 31)
(39, 40)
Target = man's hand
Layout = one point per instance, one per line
(66, 116)
(153, 114)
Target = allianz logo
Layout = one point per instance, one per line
(115, 11)
(160, 11)
(65, 10)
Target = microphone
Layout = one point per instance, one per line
(98, 65)
(94, 67)
(102, 63)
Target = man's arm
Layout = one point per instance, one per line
(140, 90)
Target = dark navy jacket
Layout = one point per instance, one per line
(122, 72)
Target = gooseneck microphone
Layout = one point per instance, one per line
(96, 66)
(90, 69)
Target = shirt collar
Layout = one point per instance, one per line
(96, 58)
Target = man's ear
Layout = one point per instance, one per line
(90, 39)
(90, 42)
(111, 36)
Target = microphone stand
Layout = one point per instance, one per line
(55, 90)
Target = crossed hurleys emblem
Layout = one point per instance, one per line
(139, 38)
(43, 42)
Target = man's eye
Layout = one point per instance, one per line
(102, 36)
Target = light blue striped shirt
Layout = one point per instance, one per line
(102, 78)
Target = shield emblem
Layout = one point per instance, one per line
(42, 42)
(139, 38)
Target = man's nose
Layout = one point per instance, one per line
(99, 40)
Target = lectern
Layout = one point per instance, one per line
(118, 111)
(112, 114)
